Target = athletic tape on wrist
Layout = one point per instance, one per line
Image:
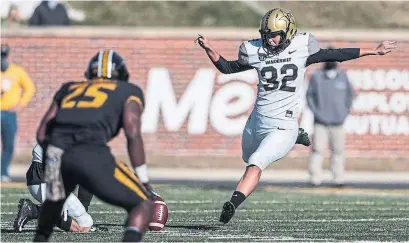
(142, 173)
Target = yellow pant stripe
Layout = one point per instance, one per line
(130, 173)
(123, 179)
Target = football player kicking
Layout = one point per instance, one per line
(75, 218)
(82, 119)
(281, 57)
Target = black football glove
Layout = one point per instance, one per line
(303, 138)
(151, 193)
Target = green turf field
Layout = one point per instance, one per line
(270, 214)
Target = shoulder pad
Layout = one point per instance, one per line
(134, 89)
(255, 42)
(136, 94)
(132, 86)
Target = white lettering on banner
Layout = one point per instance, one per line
(379, 79)
(397, 102)
(196, 100)
(222, 109)
(249, 76)
(161, 97)
(227, 109)
(377, 124)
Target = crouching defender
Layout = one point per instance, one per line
(75, 218)
(82, 119)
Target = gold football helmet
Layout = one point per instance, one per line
(277, 21)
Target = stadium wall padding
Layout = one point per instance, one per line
(193, 109)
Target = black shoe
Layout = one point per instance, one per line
(303, 138)
(227, 213)
(25, 209)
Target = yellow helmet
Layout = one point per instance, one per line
(278, 21)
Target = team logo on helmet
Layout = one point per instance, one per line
(275, 22)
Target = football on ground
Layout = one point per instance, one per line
(160, 215)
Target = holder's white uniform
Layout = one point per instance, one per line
(272, 128)
(72, 205)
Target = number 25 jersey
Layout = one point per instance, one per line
(281, 78)
(91, 112)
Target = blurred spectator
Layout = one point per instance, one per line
(329, 96)
(17, 89)
(13, 17)
(49, 13)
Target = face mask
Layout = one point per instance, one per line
(331, 74)
(4, 64)
(52, 4)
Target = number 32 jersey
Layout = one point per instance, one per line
(91, 112)
(281, 79)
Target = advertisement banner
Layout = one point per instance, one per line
(192, 109)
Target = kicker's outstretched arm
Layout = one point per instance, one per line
(345, 54)
(220, 62)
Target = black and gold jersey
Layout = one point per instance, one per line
(91, 112)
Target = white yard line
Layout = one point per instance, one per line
(199, 211)
(309, 220)
(255, 220)
(265, 239)
(16, 203)
(289, 201)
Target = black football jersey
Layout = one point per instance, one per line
(90, 112)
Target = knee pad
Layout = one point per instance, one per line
(85, 220)
(77, 211)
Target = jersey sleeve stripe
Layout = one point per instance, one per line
(136, 99)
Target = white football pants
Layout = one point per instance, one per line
(262, 148)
